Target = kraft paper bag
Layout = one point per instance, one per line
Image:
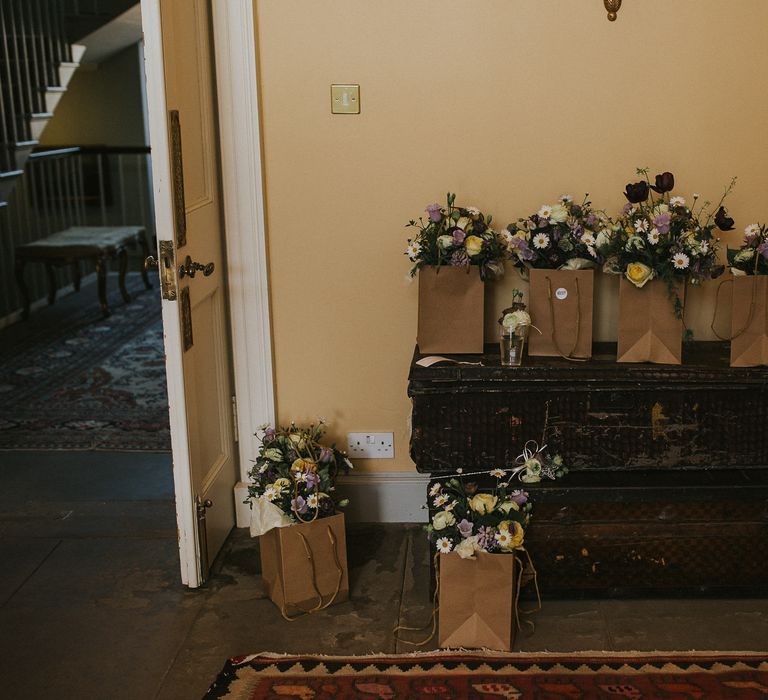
(561, 308)
(648, 328)
(749, 321)
(478, 601)
(304, 566)
(450, 310)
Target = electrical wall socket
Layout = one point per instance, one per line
(371, 445)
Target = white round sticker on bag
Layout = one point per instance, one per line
(561, 293)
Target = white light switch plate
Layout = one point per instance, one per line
(371, 445)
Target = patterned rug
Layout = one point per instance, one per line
(73, 380)
(491, 676)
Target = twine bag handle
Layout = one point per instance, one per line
(310, 557)
(567, 356)
(752, 305)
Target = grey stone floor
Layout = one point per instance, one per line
(91, 605)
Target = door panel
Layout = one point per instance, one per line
(205, 459)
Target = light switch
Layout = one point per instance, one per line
(345, 99)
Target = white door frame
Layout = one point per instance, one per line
(234, 32)
(234, 28)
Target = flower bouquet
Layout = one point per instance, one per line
(455, 250)
(658, 244)
(515, 324)
(294, 511)
(558, 247)
(479, 536)
(749, 307)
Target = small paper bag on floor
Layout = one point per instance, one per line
(304, 566)
(478, 600)
(649, 331)
(561, 308)
(749, 321)
(451, 307)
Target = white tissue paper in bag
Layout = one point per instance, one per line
(265, 515)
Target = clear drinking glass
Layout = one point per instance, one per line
(512, 343)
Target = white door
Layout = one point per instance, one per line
(185, 169)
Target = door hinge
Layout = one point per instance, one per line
(235, 431)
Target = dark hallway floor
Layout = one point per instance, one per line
(91, 605)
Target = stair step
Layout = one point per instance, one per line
(20, 145)
(66, 71)
(77, 52)
(10, 174)
(37, 123)
(53, 96)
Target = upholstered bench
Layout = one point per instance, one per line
(99, 244)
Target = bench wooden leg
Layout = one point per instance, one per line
(51, 283)
(76, 275)
(122, 257)
(23, 291)
(101, 278)
(144, 255)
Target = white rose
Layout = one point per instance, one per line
(603, 238)
(559, 214)
(467, 548)
(443, 519)
(516, 318)
(463, 222)
(445, 241)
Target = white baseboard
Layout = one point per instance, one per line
(379, 497)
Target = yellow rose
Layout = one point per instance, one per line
(516, 535)
(303, 465)
(473, 244)
(443, 519)
(507, 506)
(282, 484)
(483, 503)
(638, 274)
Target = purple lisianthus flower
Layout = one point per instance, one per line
(311, 480)
(519, 497)
(465, 528)
(325, 456)
(299, 505)
(485, 537)
(269, 435)
(626, 208)
(460, 258)
(458, 236)
(434, 212)
(762, 249)
(662, 222)
(591, 220)
(525, 251)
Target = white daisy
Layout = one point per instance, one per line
(300, 476)
(498, 473)
(588, 239)
(565, 198)
(545, 212)
(440, 500)
(435, 489)
(451, 506)
(641, 225)
(677, 202)
(444, 545)
(312, 500)
(591, 250)
(653, 236)
(704, 247)
(413, 250)
(752, 230)
(680, 261)
(503, 538)
(540, 240)
(271, 493)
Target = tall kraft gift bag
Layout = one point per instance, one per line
(561, 307)
(478, 600)
(450, 310)
(749, 320)
(304, 566)
(649, 331)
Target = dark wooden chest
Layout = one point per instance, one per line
(668, 489)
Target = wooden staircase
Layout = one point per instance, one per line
(36, 64)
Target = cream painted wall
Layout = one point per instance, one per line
(509, 103)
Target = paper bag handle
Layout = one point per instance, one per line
(320, 605)
(567, 356)
(749, 317)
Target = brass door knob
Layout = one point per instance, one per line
(190, 268)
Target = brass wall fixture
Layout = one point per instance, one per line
(612, 7)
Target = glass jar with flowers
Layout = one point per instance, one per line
(455, 251)
(514, 326)
(659, 244)
(557, 248)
